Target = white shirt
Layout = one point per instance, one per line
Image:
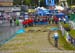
(56, 34)
(59, 19)
(64, 19)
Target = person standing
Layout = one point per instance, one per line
(41, 20)
(64, 20)
(14, 21)
(52, 20)
(60, 20)
(17, 22)
(67, 18)
(74, 42)
(56, 20)
(11, 21)
(48, 20)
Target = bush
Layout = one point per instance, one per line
(67, 27)
(72, 32)
(64, 44)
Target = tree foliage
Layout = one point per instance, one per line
(35, 2)
(28, 2)
(19, 2)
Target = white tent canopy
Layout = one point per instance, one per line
(43, 8)
(37, 8)
(40, 8)
(59, 8)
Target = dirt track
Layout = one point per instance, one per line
(30, 42)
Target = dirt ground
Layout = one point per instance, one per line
(32, 41)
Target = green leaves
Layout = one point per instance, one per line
(19, 2)
(29, 2)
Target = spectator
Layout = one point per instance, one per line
(35, 21)
(64, 20)
(17, 22)
(74, 42)
(67, 18)
(60, 20)
(30, 20)
(14, 21)
(49, 20)
(0, 21)
(56, 20)
(25, 23)
(41, 20)
(11, 21)
(52, 20)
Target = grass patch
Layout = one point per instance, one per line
(66, 27)
(72, 32)
(64, 43)
(29, 51)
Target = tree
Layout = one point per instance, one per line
(43, 3)
(72, 2)
(57, 2)
(27, 2)
(17, 2)
(31, 2)
(69, 2)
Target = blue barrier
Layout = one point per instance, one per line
(20, 31)
(54, 28)
(41, 23)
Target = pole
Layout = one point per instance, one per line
(71, 2)
(22, 10)
(22, 2)
(47, 2)
(39, 2)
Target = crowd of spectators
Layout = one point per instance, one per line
(31, 21)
